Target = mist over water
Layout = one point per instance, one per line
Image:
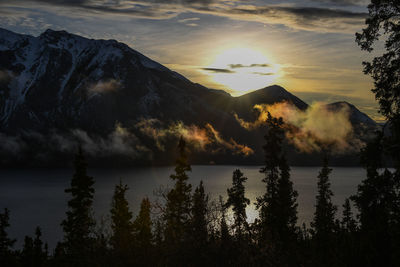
(36, 197)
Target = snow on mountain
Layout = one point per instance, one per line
(98, 91)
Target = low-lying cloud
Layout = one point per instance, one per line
(102, 87)
(311, 130)
(199, 138)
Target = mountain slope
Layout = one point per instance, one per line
(60, 89)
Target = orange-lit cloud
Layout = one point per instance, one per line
(311, 130)
(201, 139)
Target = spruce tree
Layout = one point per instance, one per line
(377, 200)
(287, 212)
(27, 252)
(6, 243)
(121, 225)
(268, 204)
(323, 224)
(199, 217)
(39, 249)
(143, 235)
(199, 237)
(142, 224)
(178, 206)
(238, 202)
(33, 252)
(79, 224)
(348, 223)
(277, 207)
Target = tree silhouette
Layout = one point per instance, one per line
(7, 256)
(199, 226)
(268, 204)
(79, 224)
(348, 222)
(121, 225)
(277, 207)
(34, 252)
(199, 216)
(238, 202)
(143, 235)
(323, 223)
(383, 24)
(178, 207)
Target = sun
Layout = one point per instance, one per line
(241, 70)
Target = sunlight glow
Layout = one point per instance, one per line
(242, 70)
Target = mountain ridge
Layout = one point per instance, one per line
(61, 82)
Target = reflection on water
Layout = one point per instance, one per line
(37, 198)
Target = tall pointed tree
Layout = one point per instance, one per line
(268, 204)
(121, 225)
(178, 206)
(143, 235)
(323, 223)
(142, 225)
(79, 224)
(238, 202)
(348, 223)
(6, 243)
(199, 222)
(199, 236)
(377, 200)
(278, 207)
(287, 199)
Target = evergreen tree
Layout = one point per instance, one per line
(79, 224)
(199, 227)
(142, 225)
(33, 252)
(287, 198)
(121, 225)
(39, 249)
(323, 223)
(6, 255)
(143, 235)
(268, 204)
(382, 190)
(348, 222)
(199, 217)
(178, 206)
(238, 202)
(383, 24)
(377, 201)
(27, 252)
(278, 207)
(347, 246)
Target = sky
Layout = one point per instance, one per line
(306, 46)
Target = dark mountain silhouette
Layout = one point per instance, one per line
(59, 85)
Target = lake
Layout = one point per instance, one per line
(36, 197)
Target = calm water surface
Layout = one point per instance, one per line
(36, 197)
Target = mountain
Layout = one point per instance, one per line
(58, 90)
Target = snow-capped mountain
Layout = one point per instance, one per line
(59, 83)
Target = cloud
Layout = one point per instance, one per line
(311, 130)
(119, 142)
(4, 77)
(215, 70)
(102, 87)
(264, 73)
(198, 138)
(296, 17)
(11, 144)
(344, 2)
(236, 66)
(188, 20)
